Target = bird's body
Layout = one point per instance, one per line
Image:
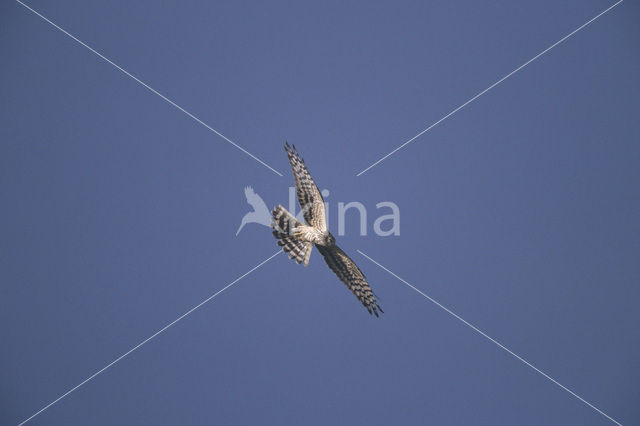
(298, 239)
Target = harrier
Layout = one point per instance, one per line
(298, 239)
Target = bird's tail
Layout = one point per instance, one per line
(283, 223)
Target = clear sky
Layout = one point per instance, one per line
(519, 212)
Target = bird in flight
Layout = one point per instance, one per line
(298, 239)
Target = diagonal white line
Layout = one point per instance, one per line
(491, 339)
(139, 345)
(491, 87)
(145, 85)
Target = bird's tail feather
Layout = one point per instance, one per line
(283, 223)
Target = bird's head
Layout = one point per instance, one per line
(329, 239)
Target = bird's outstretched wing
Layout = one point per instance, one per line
(309, 197)
(351, 275)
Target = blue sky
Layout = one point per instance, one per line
(519, 212)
